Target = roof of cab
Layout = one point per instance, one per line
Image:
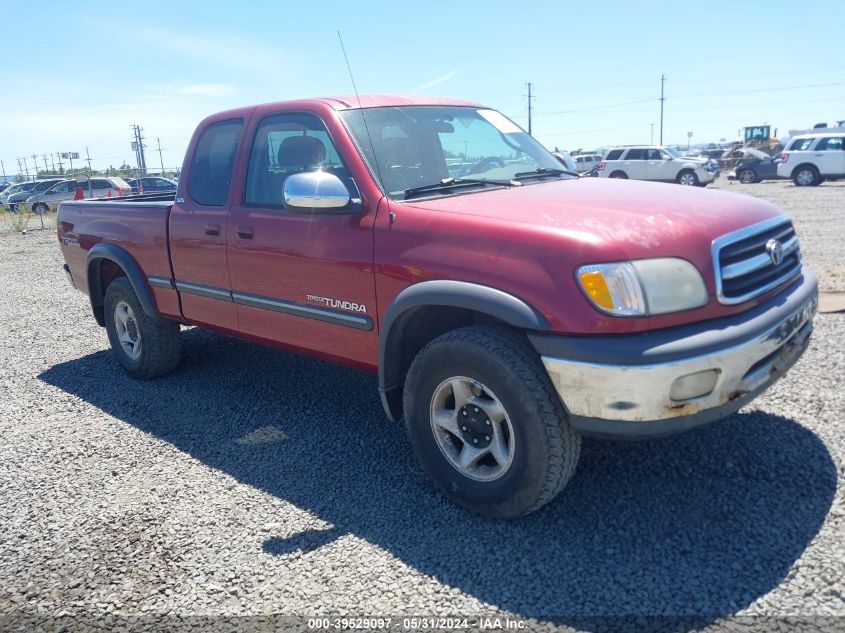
(348, 102)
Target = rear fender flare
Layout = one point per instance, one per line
(110, 252)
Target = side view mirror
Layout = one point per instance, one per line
(315, 191)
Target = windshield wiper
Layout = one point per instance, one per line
(545, 171)
(449, 183)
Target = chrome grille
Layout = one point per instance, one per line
(744, 268)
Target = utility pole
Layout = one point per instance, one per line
(3, 167)
(158, 142)
(35, 164)
(46, 168)
(530, 108)
(20, 169)
(25, 168)
(88, 158)
(53, 163)
(139, 150)
(662, 99)
(652, 134)
(61, 165)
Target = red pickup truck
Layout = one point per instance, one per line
(508, 306)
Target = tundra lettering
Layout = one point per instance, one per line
(518, 307)
(338, 303)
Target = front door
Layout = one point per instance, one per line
(302, 280)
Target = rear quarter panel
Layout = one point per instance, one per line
(140, 228)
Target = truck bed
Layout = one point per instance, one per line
(135, 224)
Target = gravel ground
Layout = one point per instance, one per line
(256, 483)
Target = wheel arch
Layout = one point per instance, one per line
(106, 262)
(800, 166)
(424, 311)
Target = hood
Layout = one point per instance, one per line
(642, 219)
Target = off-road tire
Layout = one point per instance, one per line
(161, 343)
(546, 448)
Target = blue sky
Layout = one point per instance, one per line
(79, 75)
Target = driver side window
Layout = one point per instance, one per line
(286, 144)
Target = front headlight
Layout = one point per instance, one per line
(643, 287)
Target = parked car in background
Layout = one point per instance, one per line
(49, 200)
(12, 190)
(755, 166)
(152, 184)
(810, 159)
(96, 187)
(39, 186)
(586, 162)
(4, 185)
(660, 163)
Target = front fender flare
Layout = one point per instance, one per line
(443, 292)
(120, 256)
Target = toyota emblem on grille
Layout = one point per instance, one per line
(774, 249)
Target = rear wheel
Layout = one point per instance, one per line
(40, 207)
(806, 176)
(144, 346)
(619, 174)
(747, 176)
(486, 424)
(688, 178)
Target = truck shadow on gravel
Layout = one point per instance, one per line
(700, 524)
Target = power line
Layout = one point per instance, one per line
(599, 107)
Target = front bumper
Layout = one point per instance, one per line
(622, 386)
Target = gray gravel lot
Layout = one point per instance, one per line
(252, 482)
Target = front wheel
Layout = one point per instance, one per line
(688, 178)
(486, 424)
(145, 346)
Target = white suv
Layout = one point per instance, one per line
(653, 162)
(809, 159)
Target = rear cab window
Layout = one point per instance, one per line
(212, 163)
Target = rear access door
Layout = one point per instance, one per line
(198, 224)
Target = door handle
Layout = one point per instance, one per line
(212, 229)
(244, 232)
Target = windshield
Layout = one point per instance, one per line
(671, 152)
(417, 146)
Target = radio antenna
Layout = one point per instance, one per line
(363, 116)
